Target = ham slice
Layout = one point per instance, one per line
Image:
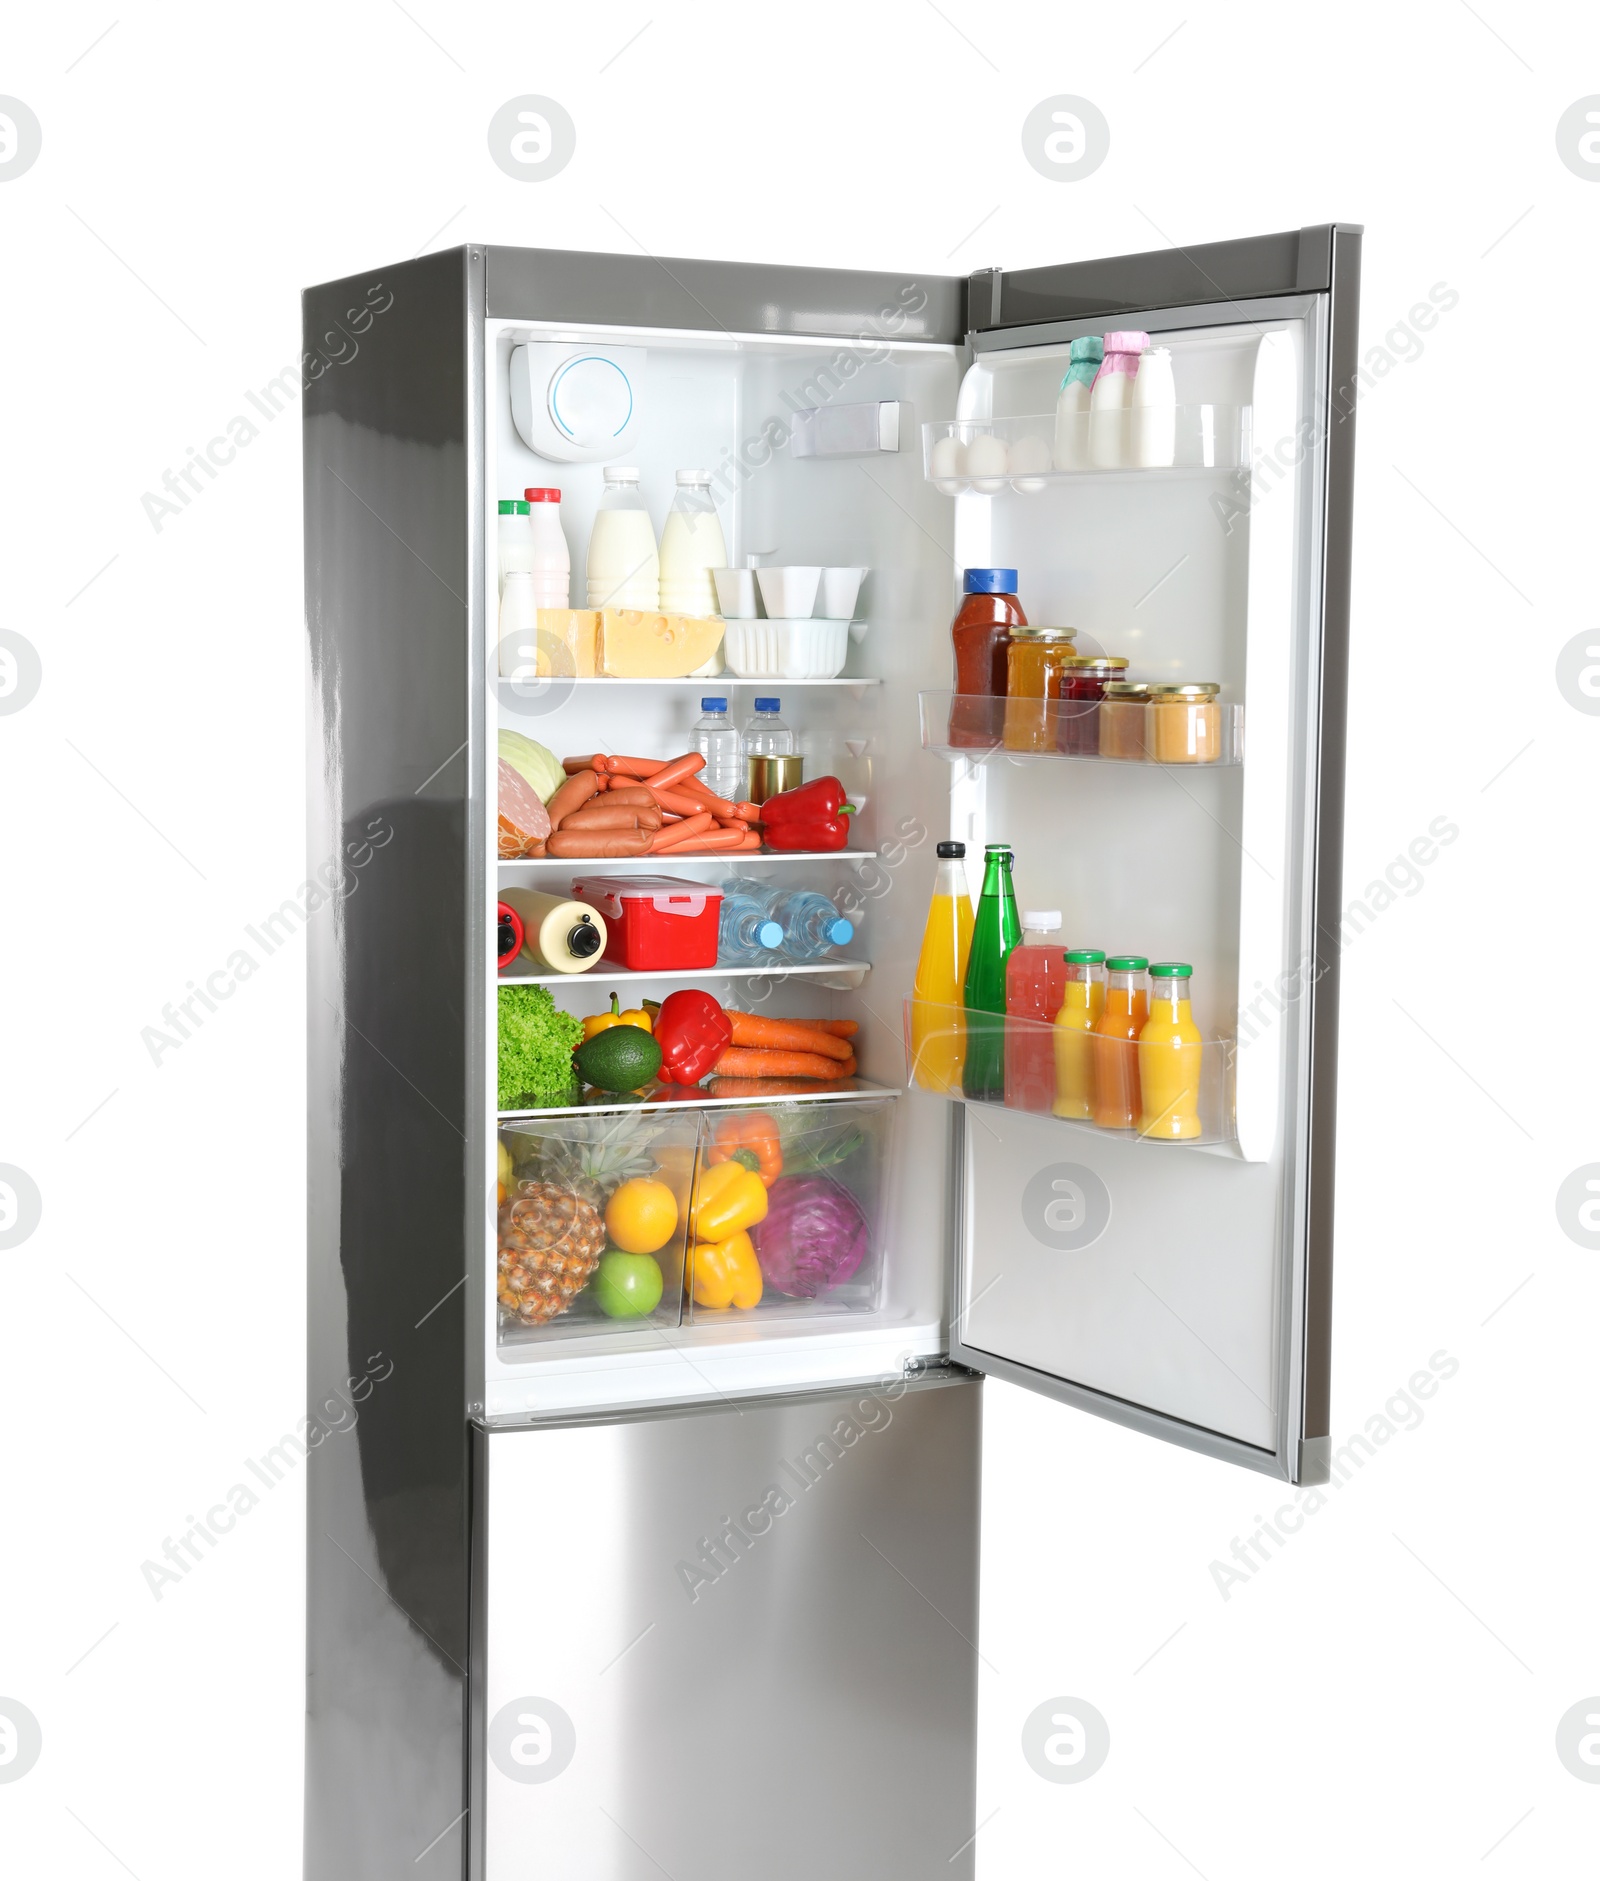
(524, 821)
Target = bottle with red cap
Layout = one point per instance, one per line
(549, 561)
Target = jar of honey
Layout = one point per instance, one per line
(1034, 662)
(1124, 707)
(1185, 724)
(1083, 680)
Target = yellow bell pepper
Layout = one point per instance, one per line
(725, 1273)
(603, 1021)
(728, 1198)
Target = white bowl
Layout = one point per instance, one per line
(736, 592)
(788, 593)
(840, 586)
(786, 649)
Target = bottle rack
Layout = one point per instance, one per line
(991, 455)
(963, 725)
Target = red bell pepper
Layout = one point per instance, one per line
(693, 1032)
(812, 817)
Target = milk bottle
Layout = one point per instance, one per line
(691, 546)
(1111, 400)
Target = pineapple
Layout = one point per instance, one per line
(591, 1156)
(551, 1240)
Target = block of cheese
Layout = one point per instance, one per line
(565, 644)
(635, 645)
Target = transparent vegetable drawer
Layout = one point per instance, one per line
(593, 1223)
(788, 1211)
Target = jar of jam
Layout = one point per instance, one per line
(1124, 707)
(1083, 681)
(981, 637)
(1034, 661)
(1185, 724)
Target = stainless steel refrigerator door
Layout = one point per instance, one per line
(1182, 1291)
(732, 1641)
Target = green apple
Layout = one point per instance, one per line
(627, 1286)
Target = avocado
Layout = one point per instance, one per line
(621, 1058)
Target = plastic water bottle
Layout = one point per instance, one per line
(810, 923)
(748, 934)
(765, 734)
(716, 738)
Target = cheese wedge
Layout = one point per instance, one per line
(635, 645)
(566, 642)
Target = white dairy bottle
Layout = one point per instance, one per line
(550, 564)
(1154, 419)
(624, 569)
(1072, 404)
(516, 543)
(691, 546)
(1111, 400)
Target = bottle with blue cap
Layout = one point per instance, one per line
(760, 921)
(765, 734)
(1072, 406)
(716, 738)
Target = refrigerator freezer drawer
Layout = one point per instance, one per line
(733, 1641)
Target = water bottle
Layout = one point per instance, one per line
(765, 734)
(748, 935)
(811, 924)
(716, 738)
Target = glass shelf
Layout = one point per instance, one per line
(837, 975)
(991, 455)
(740, 859)
(1047, 1073)
(716, 1094)
(960, 725)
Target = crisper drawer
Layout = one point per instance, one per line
(732, 1641)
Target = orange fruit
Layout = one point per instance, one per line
(642, 1215)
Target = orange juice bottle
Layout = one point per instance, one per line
(1083, 1001)
(1170, 1051)
(1115, 1040)
(938, 1010)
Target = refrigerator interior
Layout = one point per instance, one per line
(703, 399)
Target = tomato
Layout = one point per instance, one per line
(627, 1286)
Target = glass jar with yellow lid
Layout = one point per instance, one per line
(1185, 724)
(1033, 669)
(1083, 682)
(1124, 709)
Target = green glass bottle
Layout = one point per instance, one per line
(995, 931)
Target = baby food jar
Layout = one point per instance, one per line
(1124, 707)
(1083, 681)
(1034, 662)
(1185, 724)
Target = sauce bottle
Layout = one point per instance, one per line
(938, 1018)
(994, 933)
(1170, 1053)
(1083, 999)
(1035, 983)
(980, 635)
(1116, 1034)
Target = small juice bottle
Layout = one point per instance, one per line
(1170, 1050)
(1082, 1002)
(1115, 1040)
(938, 1017)
(1035, 984)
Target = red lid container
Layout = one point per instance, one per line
(655, 923)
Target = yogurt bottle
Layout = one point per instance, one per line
(550, 564)
(1072, 405)
(624, 569)
(515, 541)
(1111, 400)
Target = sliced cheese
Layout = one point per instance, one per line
(566, 642)
(635, 645)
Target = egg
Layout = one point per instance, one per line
(985, 460)
(944, 463)
(1029, 456)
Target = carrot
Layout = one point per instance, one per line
(762, 1033)
(708, 840)
(664, 776)
(572, 795)
(735, 1063)
(840, 1028)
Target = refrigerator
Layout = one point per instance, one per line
(697, 1595)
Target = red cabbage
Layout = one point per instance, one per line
(814, 1237)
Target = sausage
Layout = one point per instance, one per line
(592, 762)
(666, 775)
(572, 795)
(631, 793)
(633, 767)
(598, 842)
(613, 816)
(709, 840)
(681, 803)
(686, 831)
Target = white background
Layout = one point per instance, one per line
(1384, 1692)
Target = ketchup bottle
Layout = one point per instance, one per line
(981, 637)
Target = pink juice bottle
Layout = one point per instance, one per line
(1036, 978)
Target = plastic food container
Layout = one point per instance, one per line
(786, 649)
(655, 923)
(789, 593)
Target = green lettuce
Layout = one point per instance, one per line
(536, 1044)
